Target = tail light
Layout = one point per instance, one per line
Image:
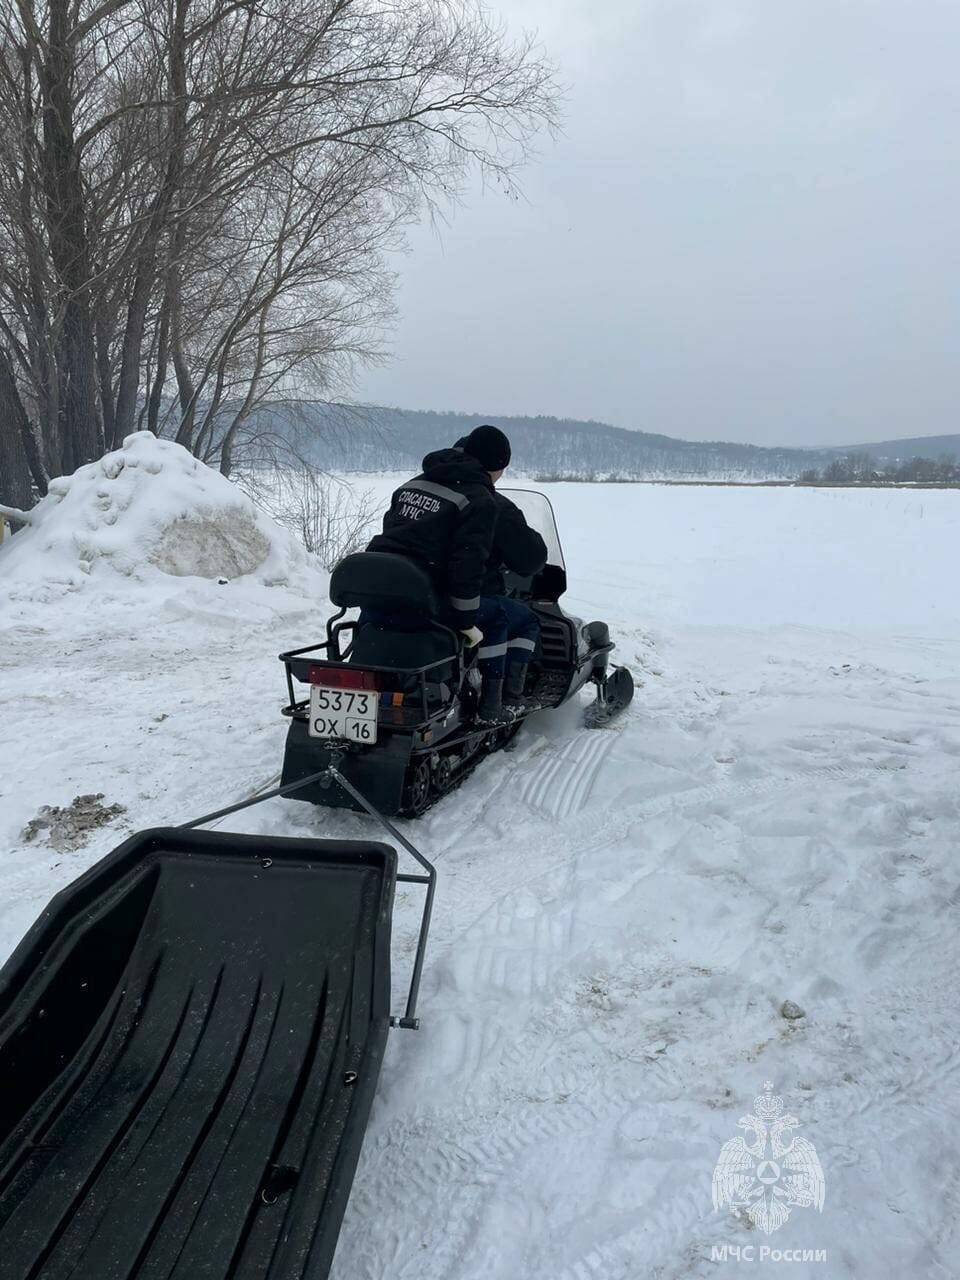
(348, 678)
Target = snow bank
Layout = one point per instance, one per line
(148, 508)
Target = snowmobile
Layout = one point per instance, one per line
(191, 1034)
(393, 706)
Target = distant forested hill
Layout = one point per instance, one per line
(372, 439)
(891, 451)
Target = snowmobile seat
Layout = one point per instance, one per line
(190, 1040)
(383, 582)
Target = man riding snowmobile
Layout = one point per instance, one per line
(393, 696)
(516, 549)
(445, 519)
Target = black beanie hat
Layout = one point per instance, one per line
(489, 446)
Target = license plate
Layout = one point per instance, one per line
(343, 713)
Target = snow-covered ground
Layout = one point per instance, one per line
(621, 914)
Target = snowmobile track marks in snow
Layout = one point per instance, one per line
(561, 785)
(474, 1171)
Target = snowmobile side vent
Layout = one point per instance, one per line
(347, 678)
(555, 641)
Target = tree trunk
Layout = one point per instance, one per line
(43, 447)
(243, 413)
(105, 377)
(187, 391)
(130, 363)
(146, 274)
(16, 479)
(163, 358)
(81, 432)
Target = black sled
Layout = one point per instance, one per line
(392, 707)
(190, 1040)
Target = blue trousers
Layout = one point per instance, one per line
(510, 632)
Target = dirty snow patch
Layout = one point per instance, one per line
(69, 827)
(228, 544)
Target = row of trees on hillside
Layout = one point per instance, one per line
(375, 439)
(197, 196)
(862, 468)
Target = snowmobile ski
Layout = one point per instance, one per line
(614, 695)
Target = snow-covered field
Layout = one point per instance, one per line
(621, 914)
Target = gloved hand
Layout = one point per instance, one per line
(472, 637)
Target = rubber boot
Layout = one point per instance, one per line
(491, 710)
(513, 691)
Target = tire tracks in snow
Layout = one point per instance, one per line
(464, 1177)
(582, 832)
(520, 948)
(518, 943)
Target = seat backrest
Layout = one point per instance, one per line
(379, 580)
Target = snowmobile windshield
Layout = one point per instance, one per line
(551, 582)
(538, 514)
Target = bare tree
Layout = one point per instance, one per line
(197, 197)
(330, 516)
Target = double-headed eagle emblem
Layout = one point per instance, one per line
(768, 1171)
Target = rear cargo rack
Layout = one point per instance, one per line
(299, 663)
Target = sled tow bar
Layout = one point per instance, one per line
(409, 1021)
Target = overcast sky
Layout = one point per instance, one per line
(748, 231)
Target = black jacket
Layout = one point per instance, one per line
(444, 519)
(516, 547)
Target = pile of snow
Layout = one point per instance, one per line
(148, 508)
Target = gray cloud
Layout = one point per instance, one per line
(747, 231)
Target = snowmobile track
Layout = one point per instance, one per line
(562, 785)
